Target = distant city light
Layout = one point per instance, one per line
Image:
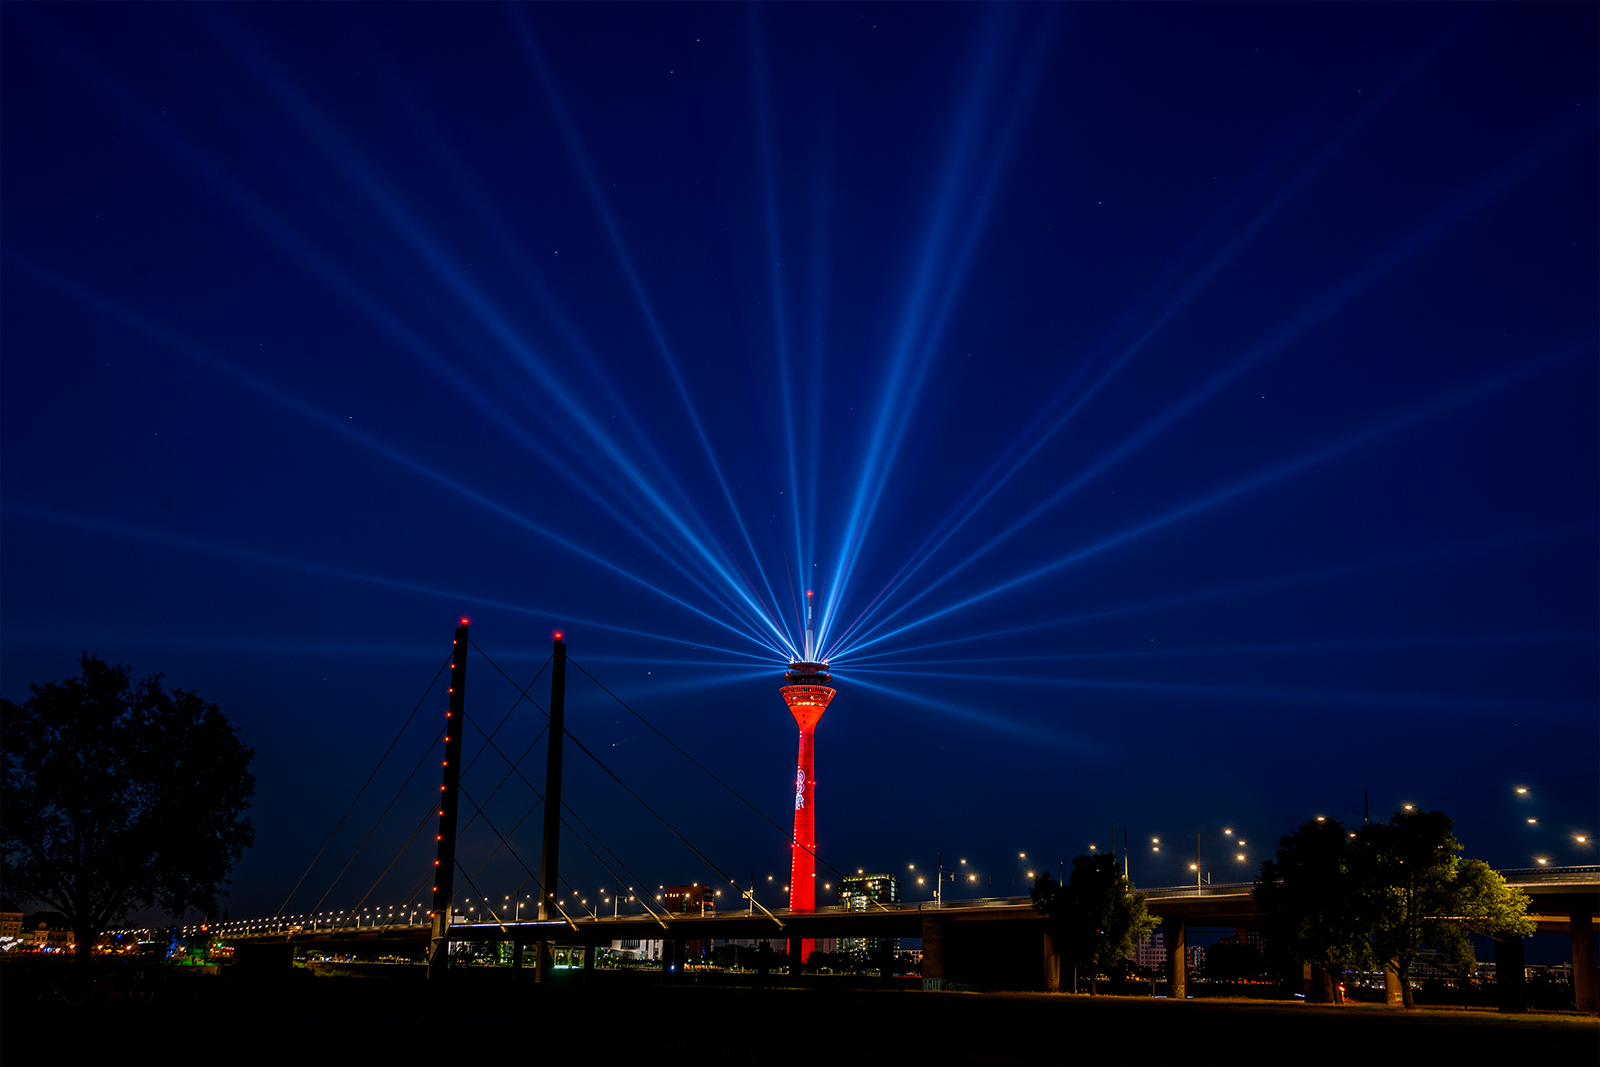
(1521, 789)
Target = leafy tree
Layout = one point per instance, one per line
(119, 792)
(1097, 917)
(1421, 893)
(1313, 901)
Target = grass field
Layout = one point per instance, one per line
(360, 1020)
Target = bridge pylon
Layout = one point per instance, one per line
(549, 860)
(444, 864)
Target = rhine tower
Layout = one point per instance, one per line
(807, 693)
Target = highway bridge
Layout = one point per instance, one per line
(995, 942)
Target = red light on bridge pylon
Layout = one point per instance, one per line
(558, 635)
(464, 621)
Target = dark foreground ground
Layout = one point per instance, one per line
(360, 1020)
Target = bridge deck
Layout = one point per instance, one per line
(1556, 894)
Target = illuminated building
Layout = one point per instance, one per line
(693, 899)
(807, 693)
(861, 893)
(688, 900)
(1151, 953)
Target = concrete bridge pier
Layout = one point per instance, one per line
(672, 953)
(935, 950)
(1510, 974)
(1585, 982)
(796, 964)
(1177, 959)
(1052, 965)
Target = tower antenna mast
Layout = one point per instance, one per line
(811, 650)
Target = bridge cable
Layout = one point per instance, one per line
(575, 834)
(647, 807)
(514, 770)
(591, 755)
(416, 886)
(523, 689)
(403, 785)
(671, 828)
(475, 889)
(364, 785)
(786, 833)
(501, 836)
(522, 694)
(433, 804)
(431, 813)
(514, 856)
(613, 855)
(496, 790)
(579, 838)
(603, 767)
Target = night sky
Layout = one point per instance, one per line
(1184, 414)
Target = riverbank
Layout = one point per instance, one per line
(349, 1020)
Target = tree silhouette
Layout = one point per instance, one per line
(1097, 917)
(1422, 893)
(1314, 903)
(117, 793)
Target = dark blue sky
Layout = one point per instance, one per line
(1185, 414)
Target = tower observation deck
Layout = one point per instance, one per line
(807, 692)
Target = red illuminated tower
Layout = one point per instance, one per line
(807, 694)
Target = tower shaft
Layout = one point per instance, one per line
(802, 852)
(806, 702)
